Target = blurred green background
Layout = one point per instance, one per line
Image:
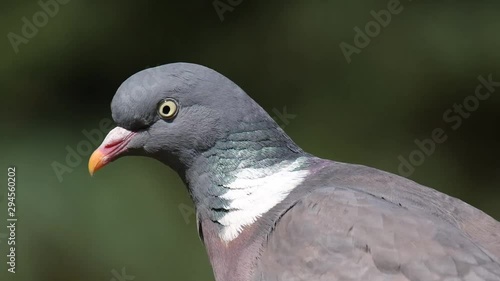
(283, 54)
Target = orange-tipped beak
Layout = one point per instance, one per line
(96, 161)
(113, 146)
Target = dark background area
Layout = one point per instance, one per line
(135, 214)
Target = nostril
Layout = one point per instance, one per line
(113, 143)
(116, 137)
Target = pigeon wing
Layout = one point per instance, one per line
(342, 234)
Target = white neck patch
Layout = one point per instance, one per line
(256, 191)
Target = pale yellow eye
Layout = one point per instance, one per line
(167, 109)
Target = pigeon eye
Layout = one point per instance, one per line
(168, 108)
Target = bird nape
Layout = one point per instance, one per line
(267, 210)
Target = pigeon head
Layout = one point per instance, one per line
(177, 112)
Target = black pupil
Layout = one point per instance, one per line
(165, 110)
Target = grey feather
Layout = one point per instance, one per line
(337, 232)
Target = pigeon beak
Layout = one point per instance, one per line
(111, 148)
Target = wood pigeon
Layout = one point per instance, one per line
(268, 211)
